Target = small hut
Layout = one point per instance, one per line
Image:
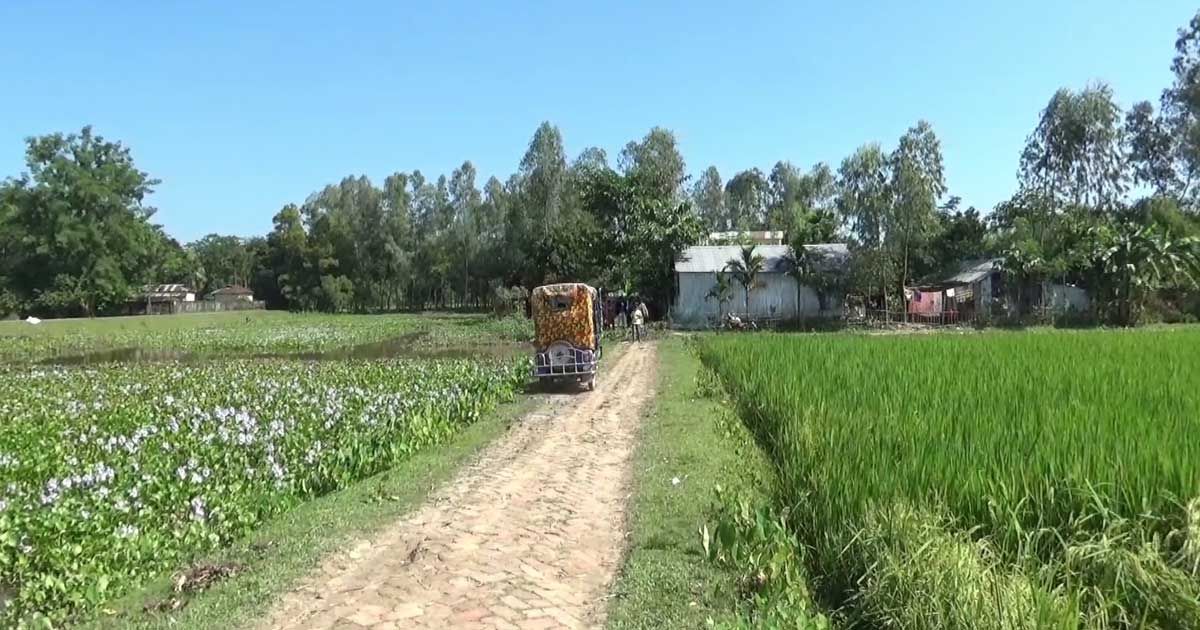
(232, 293)
(161, 299)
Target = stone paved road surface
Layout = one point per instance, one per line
(528, 536)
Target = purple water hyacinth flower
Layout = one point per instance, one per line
(199, 509)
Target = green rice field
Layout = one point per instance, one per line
(1000, 480)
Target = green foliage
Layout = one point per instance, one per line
(745, 270)
(1142, 259)
(722, 292)
(640, 231)
(1075, 151)
(917, 184)
(758, 543)
(746, 197)
(75, 236)
(708, 197)
(1043, 487)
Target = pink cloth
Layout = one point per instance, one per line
(925, 303)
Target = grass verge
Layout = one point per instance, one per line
(687, 448)
(281, 552)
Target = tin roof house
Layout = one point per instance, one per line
(232, 293)
(777, 296)
(159, 299)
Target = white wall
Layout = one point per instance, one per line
(776, 290)
(1062, 298)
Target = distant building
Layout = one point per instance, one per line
(161, 299)
(232, 293)
(757, 237)
(777, 296)
(982, 287)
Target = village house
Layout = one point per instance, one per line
(753, 237)
(232, 293)
(161, 299)
(776, 296)
(981, 288)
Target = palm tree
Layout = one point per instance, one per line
(722, 292)
(745, 270)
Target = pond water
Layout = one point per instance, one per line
(407, 346)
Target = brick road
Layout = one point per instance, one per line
(527, 536)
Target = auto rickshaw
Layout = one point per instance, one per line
(567, 322)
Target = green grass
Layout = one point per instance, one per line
(666, 582)
(995, 480)
(284, 550)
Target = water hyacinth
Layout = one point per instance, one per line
(135, 468)
(261, 332)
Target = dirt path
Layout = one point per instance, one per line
(527, 536)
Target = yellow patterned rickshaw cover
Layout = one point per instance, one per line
(573, 324)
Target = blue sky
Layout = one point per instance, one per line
(241, 107)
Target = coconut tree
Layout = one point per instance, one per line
(722, 292)
(745, 270)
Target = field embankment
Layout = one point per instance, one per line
(984, 481)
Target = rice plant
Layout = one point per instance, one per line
(1043, 479)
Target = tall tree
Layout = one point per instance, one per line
(746, 199)
(708, 197)
(1181, 113)
(83, 224)
(655, 160)
(225, 261)
(288, 244)
(784, 196)
(1151, 147)
(543, 173)
(865, 199)
(918, 182)
(640, 231)
(1075, 153)
(465, 236)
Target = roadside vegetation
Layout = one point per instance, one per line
(690, 446)
(268, 562)
(997, 480)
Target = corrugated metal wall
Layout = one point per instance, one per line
(775, 297)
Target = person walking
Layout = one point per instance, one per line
(639, 320)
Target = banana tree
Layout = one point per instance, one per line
(1141, 259)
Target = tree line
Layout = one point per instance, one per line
(1106, 199)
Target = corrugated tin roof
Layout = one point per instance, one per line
(968, 272)
(166, 288)
(233, 290)
(714, 258)
(973, 271)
